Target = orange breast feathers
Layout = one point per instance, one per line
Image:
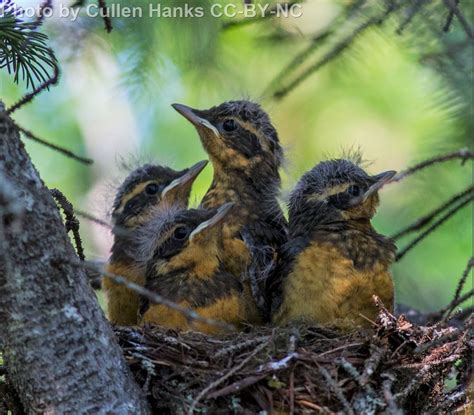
(324, 287)
(122, 303)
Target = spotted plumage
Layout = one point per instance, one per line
(334, 260)
(186, 268)
(148, 189)
(246, 155)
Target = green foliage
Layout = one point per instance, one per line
(400, 98)
(23, 50)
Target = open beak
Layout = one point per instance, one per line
(381, 180)
(210, 223)
(182, 185)
(191, 115)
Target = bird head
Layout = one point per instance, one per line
(190, 241)
(237, 135)
(337, 190)
(149, 187)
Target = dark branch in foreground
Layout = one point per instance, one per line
(458, 299)
(62, 150)
(105, 15)
(337, 49)
(45, 85)
(190, 314)
(453, 7)
(449, 19)
(71, 224)
(425, 220)
(433, 227)
(463, 154)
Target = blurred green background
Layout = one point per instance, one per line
(383, 95)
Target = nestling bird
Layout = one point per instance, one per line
(246, 155)
(334, 260)
(186, 268)
(146, 190)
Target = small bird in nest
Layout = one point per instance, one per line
(147, 189)
(246, 155)
(186, 267)
(334, 260)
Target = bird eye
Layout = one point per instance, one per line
(180, 233)
(354, 190)
(229, 125)
(151, 189)
(130, 205)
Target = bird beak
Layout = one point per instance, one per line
(181, 187)
(192, 116)
(380, 180)
(211, 223)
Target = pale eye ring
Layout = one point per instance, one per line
(229, 125)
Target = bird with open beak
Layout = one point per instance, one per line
(146, 191)
(334, 260)
(246, 155)
(186, 268)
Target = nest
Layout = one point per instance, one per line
(394, 368)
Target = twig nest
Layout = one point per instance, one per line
(397, 366)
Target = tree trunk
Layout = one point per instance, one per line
(60, 351)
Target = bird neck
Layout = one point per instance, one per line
(251, 192)
(122, 249)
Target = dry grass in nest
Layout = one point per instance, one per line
(394, 368)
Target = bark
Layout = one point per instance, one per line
(60, 351)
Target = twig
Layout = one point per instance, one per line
(392, 407)
(105, 15)
(47, 4)
(371, 364)
(452, 6)
(450, 17)
(36, 91)
(217, 382)
(336, 50)
(457, 299)
(62, 150)
(463, 154)
(153, 297)
(316, 42)
(72, 224)
(409, 18)
(234, 348)
(94, 219)
(425, 220)
(415, 383)
(291, 387)
(337, 390)
(117, 230)
(432, 228)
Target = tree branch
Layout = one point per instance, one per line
(190, 314)
(453, 7)
(426, 219)
(61, 354)
(463, 154)
(433, 227)
(62, 150)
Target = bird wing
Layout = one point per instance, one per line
(264, 239)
